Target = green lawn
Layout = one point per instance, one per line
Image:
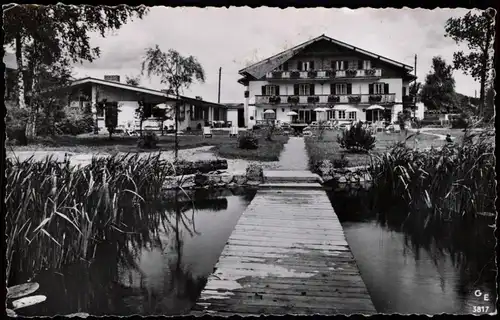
(329, 148)
(224, 145)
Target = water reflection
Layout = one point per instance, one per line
(411, 269)
(159, 270)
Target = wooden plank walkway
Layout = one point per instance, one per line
(287, 255)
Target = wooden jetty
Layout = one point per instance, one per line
(287, 255)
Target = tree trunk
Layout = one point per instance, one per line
(20, 75)
(484, 71)
(177, 108)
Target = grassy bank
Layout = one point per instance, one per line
(224, 145)
(329, 149)
(267, 151)
(57, 215)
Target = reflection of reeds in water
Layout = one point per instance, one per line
(468, 243)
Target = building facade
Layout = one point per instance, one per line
(349, 82)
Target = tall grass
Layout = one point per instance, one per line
(457, 180)
(58, 214)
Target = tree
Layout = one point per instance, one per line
(175, 71)
(111, 110)
(438, 92)
(477, 31)
(133, 81)
(44, 35)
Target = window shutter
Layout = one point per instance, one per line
(404, 91)
(332, 88)
(360, 64)
(349, 88)
(346, 65)
(263, 90)
(311, 89)
(334, 65)
(311, 65)
(386, 88)
(370, 88)
(277, 90)
(285, 66)
(299, 65)
(296, 89)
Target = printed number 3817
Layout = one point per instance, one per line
(480, 308)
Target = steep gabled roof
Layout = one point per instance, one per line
(259, 69)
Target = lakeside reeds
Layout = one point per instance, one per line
(457, 180)
(57, 213)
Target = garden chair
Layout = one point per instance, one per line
(207, 132)
(233, 132)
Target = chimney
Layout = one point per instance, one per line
(198, 98)
(115, 78)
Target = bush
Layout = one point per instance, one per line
(248, 141)
(256, 127)
(148, 141)
(357, 139)
(460, 122)
(15, 122)
(341, 162)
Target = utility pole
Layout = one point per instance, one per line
(415, 70)
(218, 97)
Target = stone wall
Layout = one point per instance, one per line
(209, 180)
(345, 179)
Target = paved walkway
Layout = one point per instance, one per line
(294, 155)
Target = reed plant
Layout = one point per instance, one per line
(440, 184)
(58, 213)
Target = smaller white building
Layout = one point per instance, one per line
(91, 92)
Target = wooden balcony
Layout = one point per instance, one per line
(326, 99)
(324, 74)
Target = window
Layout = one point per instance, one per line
(338, 65)
(304, 89)
(352, 115)
(341, 114)
(340, 88)
(330, 114)
(305, 65)
(378, 88)
(270, 90)
(367, 64)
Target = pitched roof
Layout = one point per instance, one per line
(259, 69)
(153, 92)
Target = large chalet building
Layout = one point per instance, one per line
(349, 82)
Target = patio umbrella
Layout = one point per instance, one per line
(375, 107)
(339, 107)
(320, 109)
(269, 111)
(292, 113)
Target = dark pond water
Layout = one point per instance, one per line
(407, 270)
(163, 278)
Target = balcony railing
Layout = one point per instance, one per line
(324, 74)
(327, 99)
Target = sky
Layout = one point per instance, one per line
(233, 37)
